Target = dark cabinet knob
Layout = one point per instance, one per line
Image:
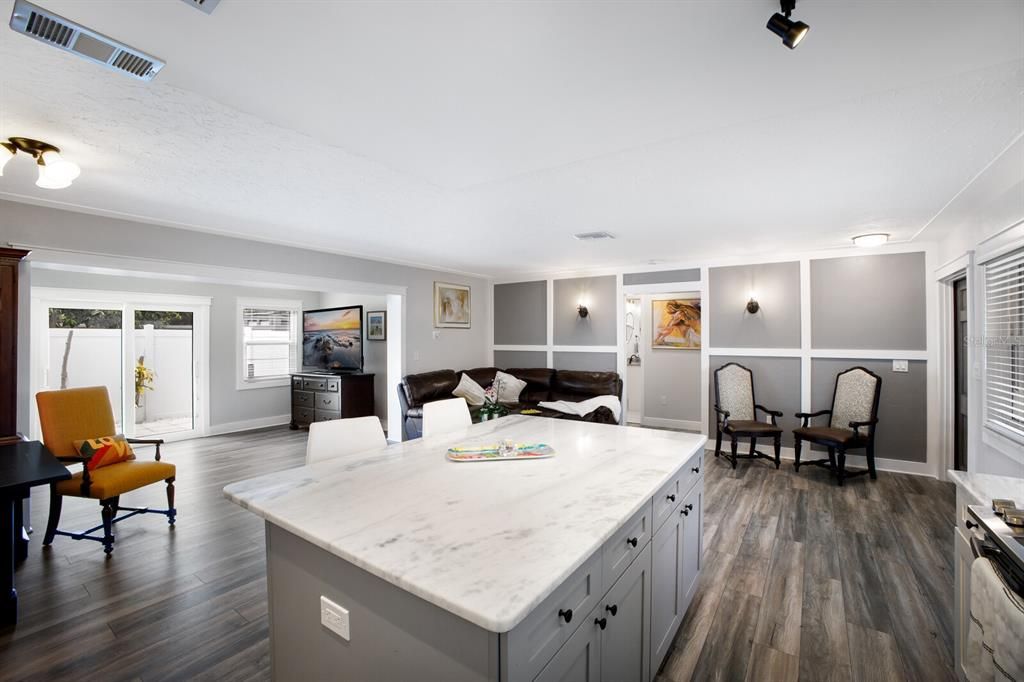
(671, 498)
(612, 609)
(695, 470)
(689, 507)
(565, 614)
(601, 622)
(684, 511)
(970, 524)
(631, 541)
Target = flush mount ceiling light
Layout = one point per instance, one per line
(55, 172)
(874, 239)
(791, 32)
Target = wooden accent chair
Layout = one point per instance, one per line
(76, 414)
(736, 414)
(852, 422)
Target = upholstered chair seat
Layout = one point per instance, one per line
(851, 424)
(736, 414)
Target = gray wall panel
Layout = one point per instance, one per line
(672, 384)
(775, 325)
(902, 411)
(590, 362)
(776, 386)
(870, 302)
(596, 330)
(520, 314)
(662, 277)
(520, 358)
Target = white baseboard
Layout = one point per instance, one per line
(665, 423)
(895, 466)
(248, 425)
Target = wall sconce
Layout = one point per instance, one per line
(581, 308)
(752, 305)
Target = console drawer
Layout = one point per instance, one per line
(302, 398)
(627, 543)
(296, 383)
(535, 640)
(302, 415)
(314, 384)
(325, 416)
(328, 401)
(332, 385)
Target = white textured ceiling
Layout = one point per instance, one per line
(480, 135)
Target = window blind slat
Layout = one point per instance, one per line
(1004, 342)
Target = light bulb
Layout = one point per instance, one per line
(6, 154)
(50, 180)
(60, 169)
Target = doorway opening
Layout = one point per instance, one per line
(960, 374)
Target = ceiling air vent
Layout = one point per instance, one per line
(66, 35)
(204, 5)
(591, 236)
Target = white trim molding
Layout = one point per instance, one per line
(248, 425)
(895, 466)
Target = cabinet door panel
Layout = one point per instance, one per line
(579, 659)
(691, 556)
(625, 640)
(666, 586)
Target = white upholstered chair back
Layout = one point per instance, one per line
(854, 400)
(342, 437)
(443, 416)
(735, 392)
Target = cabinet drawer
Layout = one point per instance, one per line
(296, 383)
(324, 416)
(691, 471)
(302, 398)
(667, 500)
(542, 633)
(302, 415)
(328, 401)
(314, 384)
(333, 385)
(627, 544)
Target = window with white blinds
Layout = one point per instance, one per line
(1004, 344)
(269, 339)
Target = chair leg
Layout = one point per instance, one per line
(718, 442)
(832, 458)
(871, 460)
(796, 453)
(841, 469)
(753, 446)
(735, 446)
(56, 501)
(778, 451)
(172, 512)
(107, 511)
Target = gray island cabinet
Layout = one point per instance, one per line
(398, 564)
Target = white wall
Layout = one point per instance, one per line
(228, 405)
(375, 353)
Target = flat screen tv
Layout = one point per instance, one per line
(332, 339)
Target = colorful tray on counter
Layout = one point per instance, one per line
(490, 453)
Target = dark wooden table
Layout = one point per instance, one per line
(22, 465)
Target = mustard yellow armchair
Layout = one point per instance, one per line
(76, 414)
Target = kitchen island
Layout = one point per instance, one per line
(398, 564)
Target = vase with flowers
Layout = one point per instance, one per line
(492, 409)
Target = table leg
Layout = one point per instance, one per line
(20, 532)
(8, 595)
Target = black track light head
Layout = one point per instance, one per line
(791, 32)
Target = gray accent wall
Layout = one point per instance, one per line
(775, 325)
(661, 277)
(520, 314)
(598, 329)
(902, 410)
(589, 362)
(672, 384)
(520, 358)
(776, 386)
(873, 302)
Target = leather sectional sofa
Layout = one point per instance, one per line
(542, 384)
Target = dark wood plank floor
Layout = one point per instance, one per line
(801, 579)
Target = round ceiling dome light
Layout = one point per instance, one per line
(55, 172)
(791, 32)
(873, 239)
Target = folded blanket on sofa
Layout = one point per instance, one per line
(584, 407)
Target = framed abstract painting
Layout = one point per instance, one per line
(452, 305)
(675, 323)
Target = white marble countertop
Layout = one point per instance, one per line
(487, 541)
(987, 487)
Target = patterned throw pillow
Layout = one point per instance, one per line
(104, 451)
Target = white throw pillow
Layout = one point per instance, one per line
(509, 387)
(470, 390)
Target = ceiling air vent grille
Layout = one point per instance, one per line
(203, 5)
(53, 29)
(592, 236)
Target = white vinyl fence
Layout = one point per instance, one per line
(95, 360)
